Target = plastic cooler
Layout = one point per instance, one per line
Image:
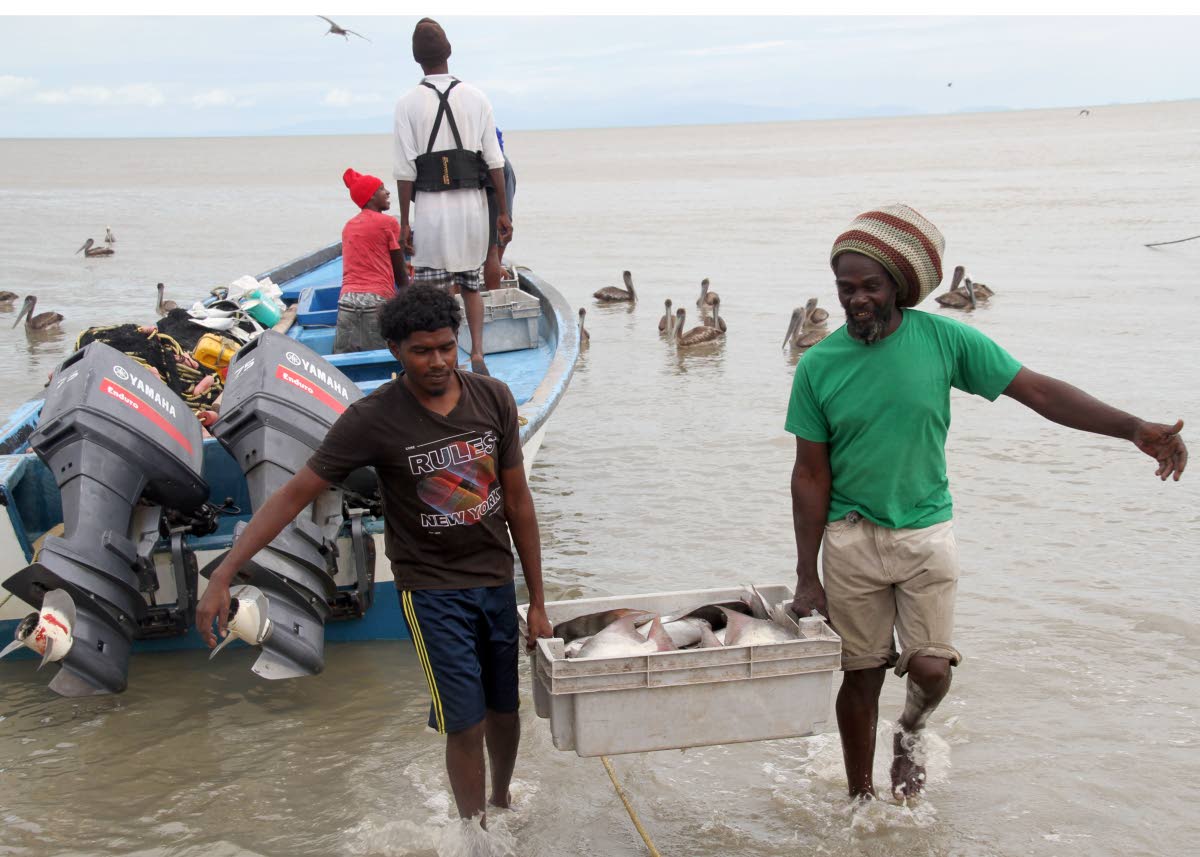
(510, 321)
(685, 698)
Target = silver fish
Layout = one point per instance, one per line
(572, 649)
(593, 623)
(688, 632)
(741, 630)
(622, 640)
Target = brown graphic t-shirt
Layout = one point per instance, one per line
(443, 510)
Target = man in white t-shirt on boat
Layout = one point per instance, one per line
(445, 151)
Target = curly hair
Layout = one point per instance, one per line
(418, 307)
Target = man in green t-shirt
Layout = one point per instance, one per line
(870, 408)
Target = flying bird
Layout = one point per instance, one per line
(340, 31)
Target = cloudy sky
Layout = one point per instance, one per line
(186, 76)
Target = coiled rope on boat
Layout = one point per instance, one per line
(633, 816)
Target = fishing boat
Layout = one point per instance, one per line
(109, 563)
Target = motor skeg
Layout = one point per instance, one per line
(113, 434)
(280, 400)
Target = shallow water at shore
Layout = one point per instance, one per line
(1072, 724)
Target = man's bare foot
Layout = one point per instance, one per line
(478, 366)
(861, 798)
(908, 770)
(501, 804)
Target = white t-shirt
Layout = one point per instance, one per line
(450, 227)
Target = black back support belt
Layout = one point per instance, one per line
(448, 169)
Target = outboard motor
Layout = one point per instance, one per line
(280, 400)
(113, 434)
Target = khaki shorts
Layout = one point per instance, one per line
(877, 579)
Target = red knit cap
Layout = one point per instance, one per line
(362, 187)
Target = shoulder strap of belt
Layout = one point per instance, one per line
(443, 108)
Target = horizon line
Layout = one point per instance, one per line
(982, 111)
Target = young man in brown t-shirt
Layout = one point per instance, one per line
(446, 447)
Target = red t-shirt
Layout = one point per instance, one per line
(367, 242)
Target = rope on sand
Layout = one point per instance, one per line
(633, 816)
(1180, 241)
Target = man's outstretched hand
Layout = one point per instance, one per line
(1163, 444)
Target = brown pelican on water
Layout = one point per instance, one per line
(340, 31)
(43, 322)
(959, 297)
(706, 298)
(164, 307)
(697, 335)
(89, 249)
(611, 294)
(666, 324)
(109, 238)
(802, 332)
(7, 299)
(982, 292)
(585, 338)
(716, 320)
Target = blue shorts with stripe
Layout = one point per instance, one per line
(468, 643)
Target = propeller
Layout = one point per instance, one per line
(247, 618)
(48, 631)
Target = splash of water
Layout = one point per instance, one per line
(465, 837)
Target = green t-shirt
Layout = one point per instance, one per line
(884, 411)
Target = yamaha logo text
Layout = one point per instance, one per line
(145, 389)
(321, 375)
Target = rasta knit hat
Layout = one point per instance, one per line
(904, 242)
(362, 187)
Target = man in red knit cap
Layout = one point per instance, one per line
(373, 265)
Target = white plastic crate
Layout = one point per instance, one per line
(686, 698)
(510, 321)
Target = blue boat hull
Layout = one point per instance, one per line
(30, 504)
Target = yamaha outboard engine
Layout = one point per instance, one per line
(280, 400)
(113, 434)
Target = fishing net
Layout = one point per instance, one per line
(178, 325)
(162, 354)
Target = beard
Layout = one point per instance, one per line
(870, 331)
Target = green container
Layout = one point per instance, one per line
(265, 310)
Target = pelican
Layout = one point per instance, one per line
(959, 297)
(802, 333)
(43, 322)
(706, 298)
(109, 238)
(818, 315)
(697, 335)
(666, 323)
(89, 250)
(340, 31)
(611, 294)
(982, 292)
(164, 307)
(7, 299)
(585, 338)
(716, 320)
